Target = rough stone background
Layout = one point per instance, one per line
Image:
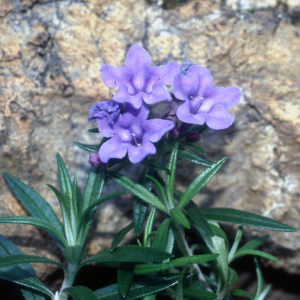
(50, 54)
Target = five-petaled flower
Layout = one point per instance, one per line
(203, 103)
(137, 80)
(135, 135)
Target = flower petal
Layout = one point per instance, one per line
(156, 128)
(115, 76)
(122, 95)
(184, 114)
(184, 87)
(165, 73)
(159, 93)
(202, 77)
(104, 128)
(219, 117)
(137, 154)
(113, 148)
(228, 96)
(137, 57)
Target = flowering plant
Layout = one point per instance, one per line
(163, 265)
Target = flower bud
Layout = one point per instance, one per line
(193, 137)
(174, 133)
(95, 160)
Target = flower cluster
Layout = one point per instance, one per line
(124, 120)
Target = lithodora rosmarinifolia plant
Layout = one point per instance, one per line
(162, 265)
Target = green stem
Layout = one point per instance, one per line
(186, 251)
(68, 281)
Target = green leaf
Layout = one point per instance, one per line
(85, 214)
(13, 260)
(179, 288)
(179, 262)
(260, 281)
(89, 148)
(80, 293)
(170, 240)
(256, 253)
(194, 158)
(255, 243)
(196, 294)
(64, 178)
(35, 222)
(245, 218)
(150, 297)
(120, 235)
(179, 216)
(139, 206)
(171, 177)
(264, 292)
(240, 293)
(73, 254)
(160, 237)
(159, 189)
(22, 274)
(137, 189)
(235, 243)
(220, 233)
(155, 164)
(139, 289)
(34, 203)
(196, 215)
(94, 130)
(233, 276)
(148, 228)
(194, 147)
(73, 207)
(199, 182)
(30, 295)
(125, 277)
(128, 254)
(92, 192)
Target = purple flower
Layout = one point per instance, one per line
(95, 160)
(135, 135)
(203, 103)
(138, 81)
(106, 114)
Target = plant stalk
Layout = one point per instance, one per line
(186, 251)
(68, 281)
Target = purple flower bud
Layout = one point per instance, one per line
(174, 133)
(193, 137)
(95, 160)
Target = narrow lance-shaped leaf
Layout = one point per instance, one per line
(264, 293)
(160, 237)
(255, 243)
(240, 293)
(245, 218)
(35, 222)
(194, 157)
(179, 288)
(171, 177)
(22, 274)
(93, 130)
(194, 147)
(32, 295)
(137, 189)
(235, 243)
(80, 293)
(256, 253)
(196, 215)
(125, 277)
(140, 207)
(120, 235)
(159, 189)
(14, 260)
(148, 228)
(139, 289)
(89, 148)
(260, 281)
(199, 182)
(179, 262)
(128, 254)
(73, 206)
(34, 203)
(179, 216)
(64, 178)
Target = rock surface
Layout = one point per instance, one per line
(50, 55)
